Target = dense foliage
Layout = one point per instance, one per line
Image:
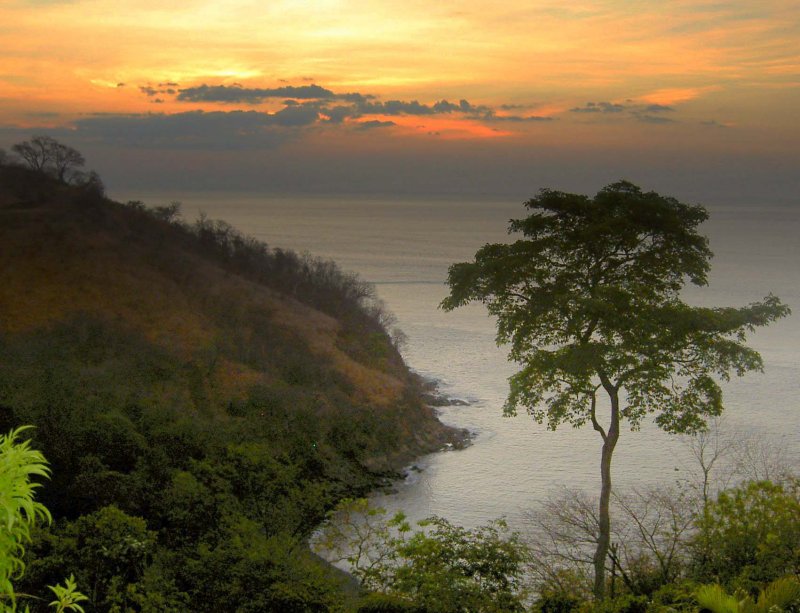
(750, 535)
(739, 553)
(437, 568)
(202, 399)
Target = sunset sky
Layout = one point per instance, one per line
(699, 98)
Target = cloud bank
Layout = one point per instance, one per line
(256, 95)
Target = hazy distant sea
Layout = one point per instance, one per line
(404, 246)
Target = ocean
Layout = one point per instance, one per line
(404, 247)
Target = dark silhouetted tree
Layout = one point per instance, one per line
(65, 160)
(35, 152)
(46, 154)
(589, 300)
(93, 184)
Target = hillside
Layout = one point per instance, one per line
(209, 393)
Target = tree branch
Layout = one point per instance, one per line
(596, 424)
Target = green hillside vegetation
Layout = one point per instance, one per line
(203, 401)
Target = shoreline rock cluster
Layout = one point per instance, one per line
(434, 398)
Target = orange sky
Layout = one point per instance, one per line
(719, 75)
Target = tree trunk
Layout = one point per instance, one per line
(604, 537)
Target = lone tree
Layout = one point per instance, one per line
(46, 154)
(589, 300)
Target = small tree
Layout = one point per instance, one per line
(723, 456)
(562, 534)
(35, 152)
(170, 212)
(441, 569)
(589, 300)
(650, 534)
(65, 160)
(750, 535)
(650, 549)
(46, 154)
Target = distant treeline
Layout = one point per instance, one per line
(317, 282)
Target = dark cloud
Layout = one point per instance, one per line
(120, 85)
(196, 129)
(517, 118)
(485, 113)
(463, 106)
(374, 123)
(365, 106)
(395, 107)
(646, 113)
(255, 95)
(356, 105)
(305, 105)
(414, 107)
(599, 107)
(302, 115)
(168, 84)
(354, 97)
(337, 114)
(713, 123)
(151, 91)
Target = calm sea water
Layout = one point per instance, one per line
(405, 247)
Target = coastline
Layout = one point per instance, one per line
(448, 438)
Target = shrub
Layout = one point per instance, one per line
(750, 535)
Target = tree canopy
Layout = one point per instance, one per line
(589, 298)
(46, 154)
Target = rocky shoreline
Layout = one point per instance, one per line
(453, 440)
(432, 396)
